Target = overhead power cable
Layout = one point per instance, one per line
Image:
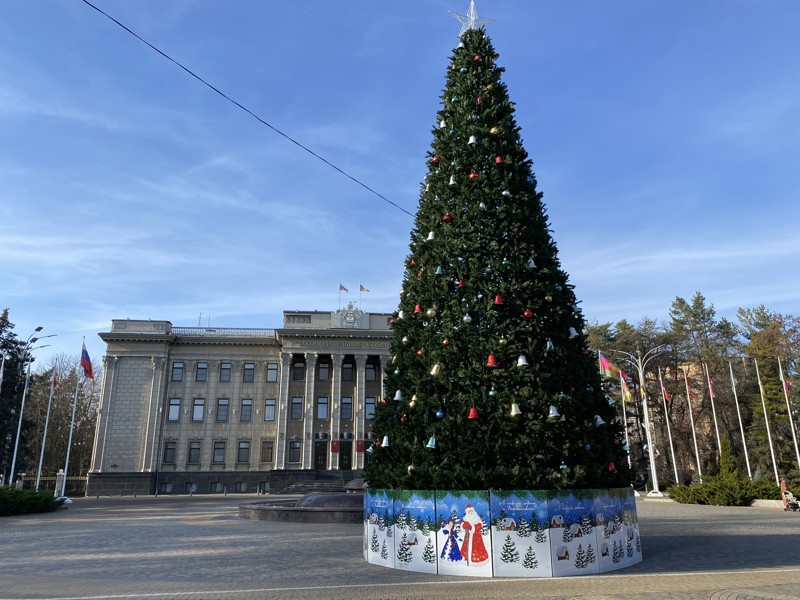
(247, 110)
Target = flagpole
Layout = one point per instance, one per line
(691, 420)
(72, 421)
(625, 417)
(766, 422)
(46, 422)
(785, 386)
(2, 369)
(669, 430)
(713, 408)
(19, 426)
(741, 425)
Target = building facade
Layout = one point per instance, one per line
(193, 409)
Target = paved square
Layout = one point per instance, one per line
(197, 547)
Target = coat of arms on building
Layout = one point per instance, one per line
(349, 316)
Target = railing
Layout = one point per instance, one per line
(223, 332)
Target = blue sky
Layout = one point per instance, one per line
(665, 137)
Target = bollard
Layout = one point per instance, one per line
(225, 489)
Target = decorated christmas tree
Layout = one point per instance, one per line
(491, 384)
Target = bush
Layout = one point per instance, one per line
(725, 489)
(23, 502)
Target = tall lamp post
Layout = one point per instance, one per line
(640, 361)
(26, 350)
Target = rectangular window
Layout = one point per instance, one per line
(298, 371)
(177, 371)
(225, 371)
(371, 373)
(222, 409)
(249, 372)
(240, 486)
(198, 409)
(174, 413)
(247, 410)
(272, 371)
(369, 407)
(215, 487)
(201, 374)
(169, 452)
(243, 455)
(267, 450)
(347, 408)
(194, 453)
(269, 409)
(347, 371)
(297, 408)
(324, 371)
(322, 407)
(295, 447)
(190, 487)
(219, 452)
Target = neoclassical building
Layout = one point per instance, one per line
(233, 410)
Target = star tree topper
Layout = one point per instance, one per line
(471, 20)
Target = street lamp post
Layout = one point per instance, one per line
(640, 363)
(26, 350)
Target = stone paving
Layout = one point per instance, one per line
(197, 548)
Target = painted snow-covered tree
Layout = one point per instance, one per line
(523, 528)
(530, 562)
(429, 553)
(509, 553)
(404, 550)
(374, 545)
(491, 383)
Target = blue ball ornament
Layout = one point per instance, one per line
(440, 414)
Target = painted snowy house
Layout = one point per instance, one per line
(562, 553)
(557, 521)
(600, 520)
(575, 530)
(604, 549)
(507, 524)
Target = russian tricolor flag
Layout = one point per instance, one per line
(86, 363)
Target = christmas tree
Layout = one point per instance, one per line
(509, 554)
(490, 383)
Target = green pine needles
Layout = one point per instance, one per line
(487, 320)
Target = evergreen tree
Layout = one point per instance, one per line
(586, 524)
(590, 555)
(629, 547)
(404, 550)
(509, 553)
(484, 286)
(530, 562)
(580, 558)
(523, 529)
(566, 536)
(616, 554)
(374, 546)
(384, 551)
(540, 529)
(498, 519)
(429, 554)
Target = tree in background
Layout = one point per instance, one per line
(491, 383)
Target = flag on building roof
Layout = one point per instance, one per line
(343, 289)
(362, 287)
(86, 363)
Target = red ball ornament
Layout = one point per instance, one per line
(435, 160)
(528, 313)
(445, 342)
(474, 175)
(404, 419)
(391, 322)
(477, 57)
(448, 218)
(420, 352)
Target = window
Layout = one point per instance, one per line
(177, 371)
(369, 407)
(219, 452)
(222, 409)
(324, 371)
(169, 452)
(272, 371)
(267, 450)
(269, 409)
(249, 372)
(191, 487)
(347, 408)
(165, 487)
(297, 408)
(225, 371)
(216, 487)
(202, 371)
(194, 453)
(198, 409)
(298, 371)
(240, 486)
(347, 371)
(174, 413)
(294, 451)
(243, 455)
(371, 373)
(322, 407)
(247, 410)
